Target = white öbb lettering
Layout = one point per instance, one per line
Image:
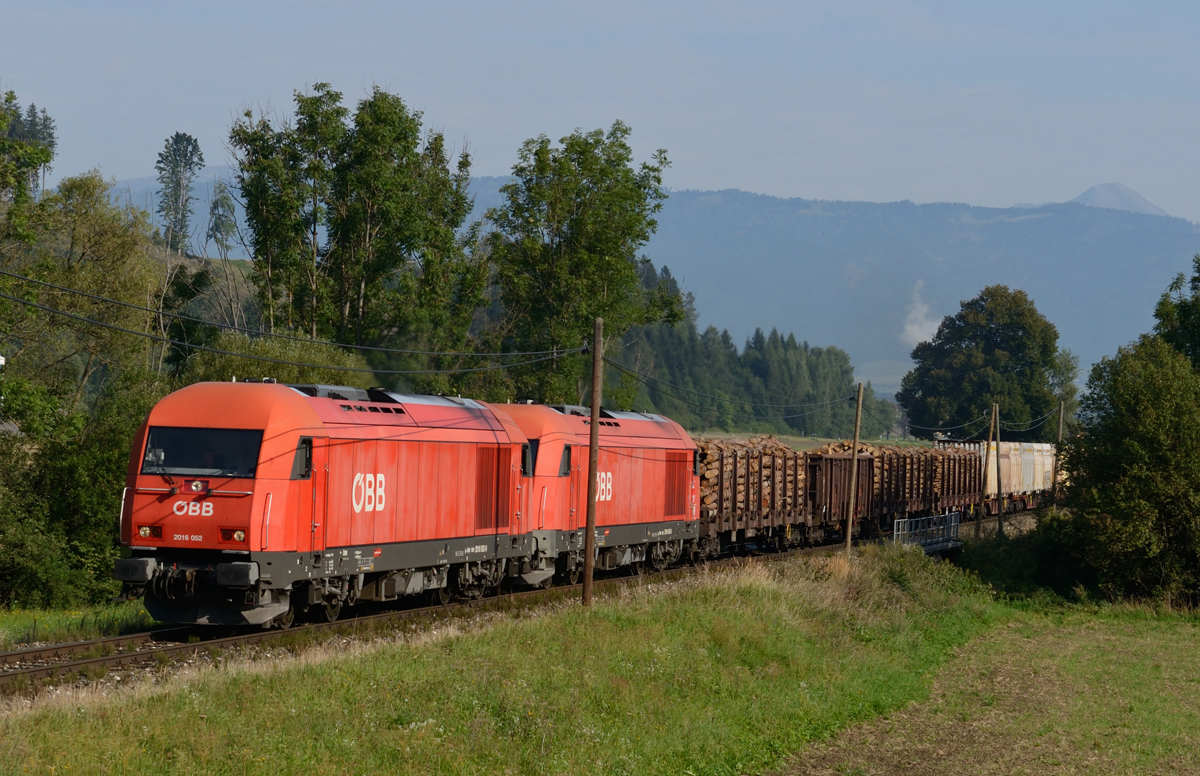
(604, 486)
(368, 493)
(193, 508)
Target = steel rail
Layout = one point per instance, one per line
(66, 649)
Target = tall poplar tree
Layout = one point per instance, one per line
(177, 166)
(566, 251)
(356, 223)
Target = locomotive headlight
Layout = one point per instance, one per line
(197, 486)
(144, 532)
(239, 536)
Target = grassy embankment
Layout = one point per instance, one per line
(726, 672)
(21, 627)
(1069, 685)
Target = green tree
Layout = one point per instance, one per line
(222, 231)
(271, 202)
(178, 164)
(565, 247)
(997, 348)
(1134, 474)
(1178, 314)
(356, 225)
(73, 392)
(397, 260)
(21, 156)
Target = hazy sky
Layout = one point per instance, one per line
(986, 103)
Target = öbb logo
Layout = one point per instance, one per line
(367, 492)
(604, 486)
(193, 508)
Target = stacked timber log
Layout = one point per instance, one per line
(748, 475)
(925, 469)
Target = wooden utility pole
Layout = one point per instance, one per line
(987, 459)
(589, 537)
(853, 471)
(1057, 447)
(999, 482)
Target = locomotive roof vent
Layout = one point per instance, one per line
(586, 412)
(346, 393)
(573, 409)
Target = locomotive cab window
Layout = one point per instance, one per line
(564, 466)
(696, 462)
(302, 463)
(212, 452)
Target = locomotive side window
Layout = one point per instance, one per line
(213, 452)
(529, 457)
(302, 463)
(564, 466)
(696, 462)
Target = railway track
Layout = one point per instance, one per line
(80, 659)
(85, 658)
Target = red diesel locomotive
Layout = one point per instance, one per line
(255, 502)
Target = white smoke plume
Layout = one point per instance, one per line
(918, 325)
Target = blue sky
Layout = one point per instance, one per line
(986, 103)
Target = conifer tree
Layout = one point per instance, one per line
(178, 164)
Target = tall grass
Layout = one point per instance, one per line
(722, 673)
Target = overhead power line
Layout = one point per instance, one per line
(157, 338)
(1029, 425)
(985, 416)
(255, 332)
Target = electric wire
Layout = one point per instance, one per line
(285, 362)
(232, 327)
(949, 428)
(652, 387)
(1026, 425)
(633, 372)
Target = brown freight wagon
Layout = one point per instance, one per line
(760, 492)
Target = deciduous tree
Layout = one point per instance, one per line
(997, 349)
(1134, 473)
(565, 247)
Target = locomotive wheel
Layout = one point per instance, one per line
(573, 576)
(439, 596)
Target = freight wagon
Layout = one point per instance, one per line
(1026, 472)
(761, 493)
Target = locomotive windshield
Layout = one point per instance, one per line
(210, 452)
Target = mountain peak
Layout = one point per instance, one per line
(1118, 196)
